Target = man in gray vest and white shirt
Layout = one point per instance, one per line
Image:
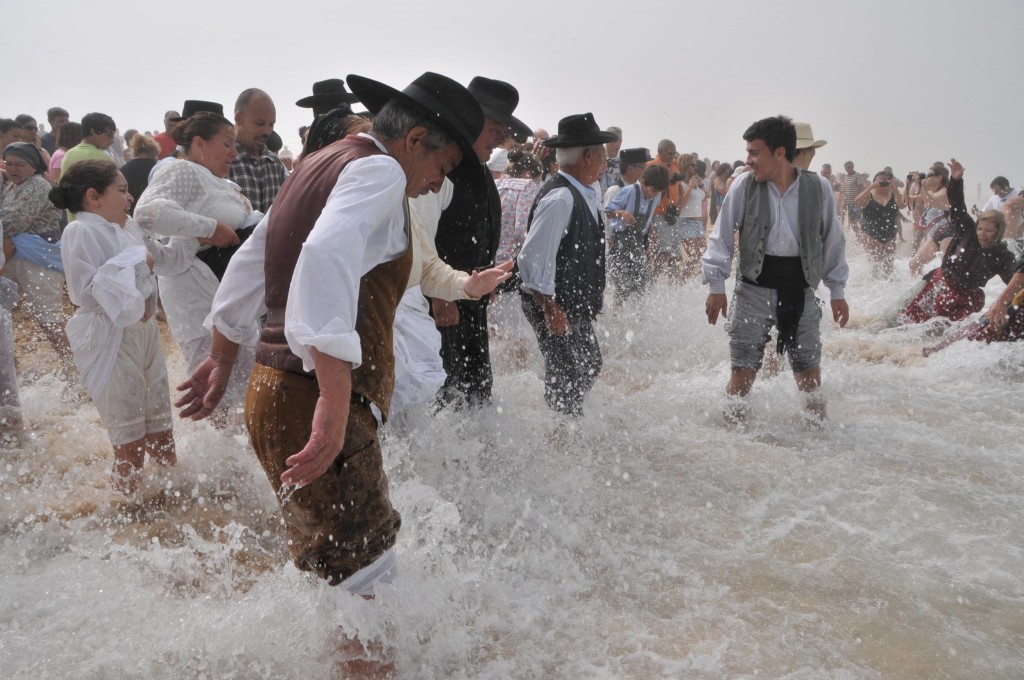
(790, 240)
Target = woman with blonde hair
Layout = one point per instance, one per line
(144, 153)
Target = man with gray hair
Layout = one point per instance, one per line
(258, 172)
(328, 267)
(562, 264)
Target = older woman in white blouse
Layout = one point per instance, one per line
(193, 198)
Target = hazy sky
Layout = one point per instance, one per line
(886, 83)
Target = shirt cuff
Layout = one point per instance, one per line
(717, 287)
(542, 288)
(838, 290)
(331, 340)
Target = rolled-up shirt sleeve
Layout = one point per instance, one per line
(360, 226)
(538, 256)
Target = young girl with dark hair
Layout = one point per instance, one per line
(109, 263)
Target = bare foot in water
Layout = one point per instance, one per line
(373, 661)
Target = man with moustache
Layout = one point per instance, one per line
(468, 233)
(336, 254)
(790, 240)
(258, 172)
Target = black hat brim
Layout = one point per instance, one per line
(518, 127)
(565, 142)
(327, 99)
(374, 95)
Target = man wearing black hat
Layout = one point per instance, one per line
(468, 234)
(336, 256)
(562, 264)
(328, 95)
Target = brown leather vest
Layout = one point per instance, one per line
(296, 209)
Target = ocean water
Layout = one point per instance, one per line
(648, 539)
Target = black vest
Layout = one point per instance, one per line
(470, 227)
(579, 266)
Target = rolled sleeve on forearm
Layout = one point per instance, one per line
(333, 340)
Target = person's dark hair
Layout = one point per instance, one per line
(737, 164)
(522, 164)
(774, 132)
(56, 112)
(1000, 182)
(24, 120)
(724, 170)
(396, 119)
(8, 124)
(144, 146)
(548, 159)
(939, 168)
(96, 124)
(303, 129)
(205, 125)
(656, 177)
(69, 135)
(332, 126)
(702, 168)
(69, 194)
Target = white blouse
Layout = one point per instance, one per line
(184, 199)
(110, 283)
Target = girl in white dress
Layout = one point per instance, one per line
(192, 198)
(109, 264)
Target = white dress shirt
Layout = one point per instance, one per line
(538, 256)
(783, 236)
(187, 200)
(361, 225)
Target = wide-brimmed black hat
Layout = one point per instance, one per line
(498, 100)
(634, 157)
(194, 106)
(579, 130)
(448, 103)
(327, 95)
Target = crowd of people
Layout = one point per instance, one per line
(369, 275)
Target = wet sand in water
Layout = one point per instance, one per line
(647, 539)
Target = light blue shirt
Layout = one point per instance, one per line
(625, 199)
(549, 225)
(783, 237)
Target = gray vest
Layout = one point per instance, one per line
(757, 222)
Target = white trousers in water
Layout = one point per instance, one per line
(419, 372)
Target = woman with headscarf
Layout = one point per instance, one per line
(32, 243)
(192, 198)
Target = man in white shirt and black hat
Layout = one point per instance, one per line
(562, 264)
